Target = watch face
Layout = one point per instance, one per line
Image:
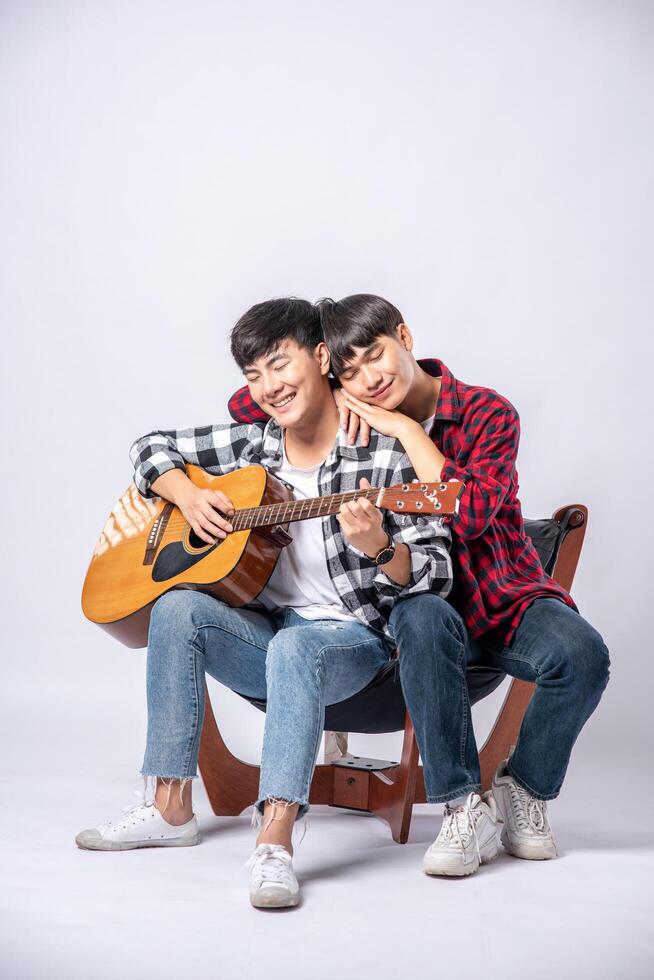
(385, 556)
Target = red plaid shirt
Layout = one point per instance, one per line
(498, 571)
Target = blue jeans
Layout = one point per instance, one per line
(553, 646)
(297, 665)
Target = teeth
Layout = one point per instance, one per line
(285, 402)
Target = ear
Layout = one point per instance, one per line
(321, 354)
(404, 336)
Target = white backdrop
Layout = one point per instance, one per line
(487, 167)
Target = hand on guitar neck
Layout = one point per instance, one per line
(202, 508)
(362, 526)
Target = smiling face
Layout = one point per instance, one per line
(382, 373)
(290, 383)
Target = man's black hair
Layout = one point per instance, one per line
(264, 326)
(355, 321)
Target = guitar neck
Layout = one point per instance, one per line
(299, 510)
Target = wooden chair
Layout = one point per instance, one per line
(389, 789)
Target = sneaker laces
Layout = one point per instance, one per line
(530, 813)
(130, 812)
(460, 825)
(274, 864)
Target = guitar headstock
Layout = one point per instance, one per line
(423, 498)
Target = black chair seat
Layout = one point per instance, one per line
(379, 707)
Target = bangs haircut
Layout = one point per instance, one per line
(355, 321)
(266, 325)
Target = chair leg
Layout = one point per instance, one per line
(504, 734)
(231, 785)
(394, 802)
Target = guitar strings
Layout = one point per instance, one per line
(275, 513)
(272, 513)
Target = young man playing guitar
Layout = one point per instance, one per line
(323, 626)
(516, 617)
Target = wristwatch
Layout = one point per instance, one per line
(386, 554)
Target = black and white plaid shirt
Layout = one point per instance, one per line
(363, 587)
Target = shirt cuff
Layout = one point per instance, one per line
(381, 579)
(418, 575)
(145, 480)
(451, 471)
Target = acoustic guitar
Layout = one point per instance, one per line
(148, 548)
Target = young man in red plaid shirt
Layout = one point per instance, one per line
(508, 613)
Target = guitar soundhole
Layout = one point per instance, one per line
(196, 542)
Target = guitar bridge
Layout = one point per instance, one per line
(156, 534)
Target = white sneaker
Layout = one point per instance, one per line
(526, 832)
(272, 882)
(141, 826)
(467, 838)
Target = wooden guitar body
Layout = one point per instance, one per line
(147, 549)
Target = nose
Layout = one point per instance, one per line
(371, 377)
(271, 386)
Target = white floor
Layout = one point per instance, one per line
(367, 910)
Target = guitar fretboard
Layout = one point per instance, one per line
(296, 510)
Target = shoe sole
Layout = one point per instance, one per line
(526, 852)
(459, 871)
(274, 901)
(108, 845)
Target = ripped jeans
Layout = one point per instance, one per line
(297, 665)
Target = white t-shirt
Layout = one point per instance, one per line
(427, 424)
(301, 580)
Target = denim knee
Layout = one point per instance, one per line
(586, 659)
(426, 611)
(289, 650)
(592, 663)
(180, 608)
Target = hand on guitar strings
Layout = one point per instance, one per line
(204, 510)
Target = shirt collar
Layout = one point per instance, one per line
(272, 442)
(448, 407)
(273, 447)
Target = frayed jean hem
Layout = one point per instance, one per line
(183, 780)
(165, 775)
(303, 808)
(257, 815)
